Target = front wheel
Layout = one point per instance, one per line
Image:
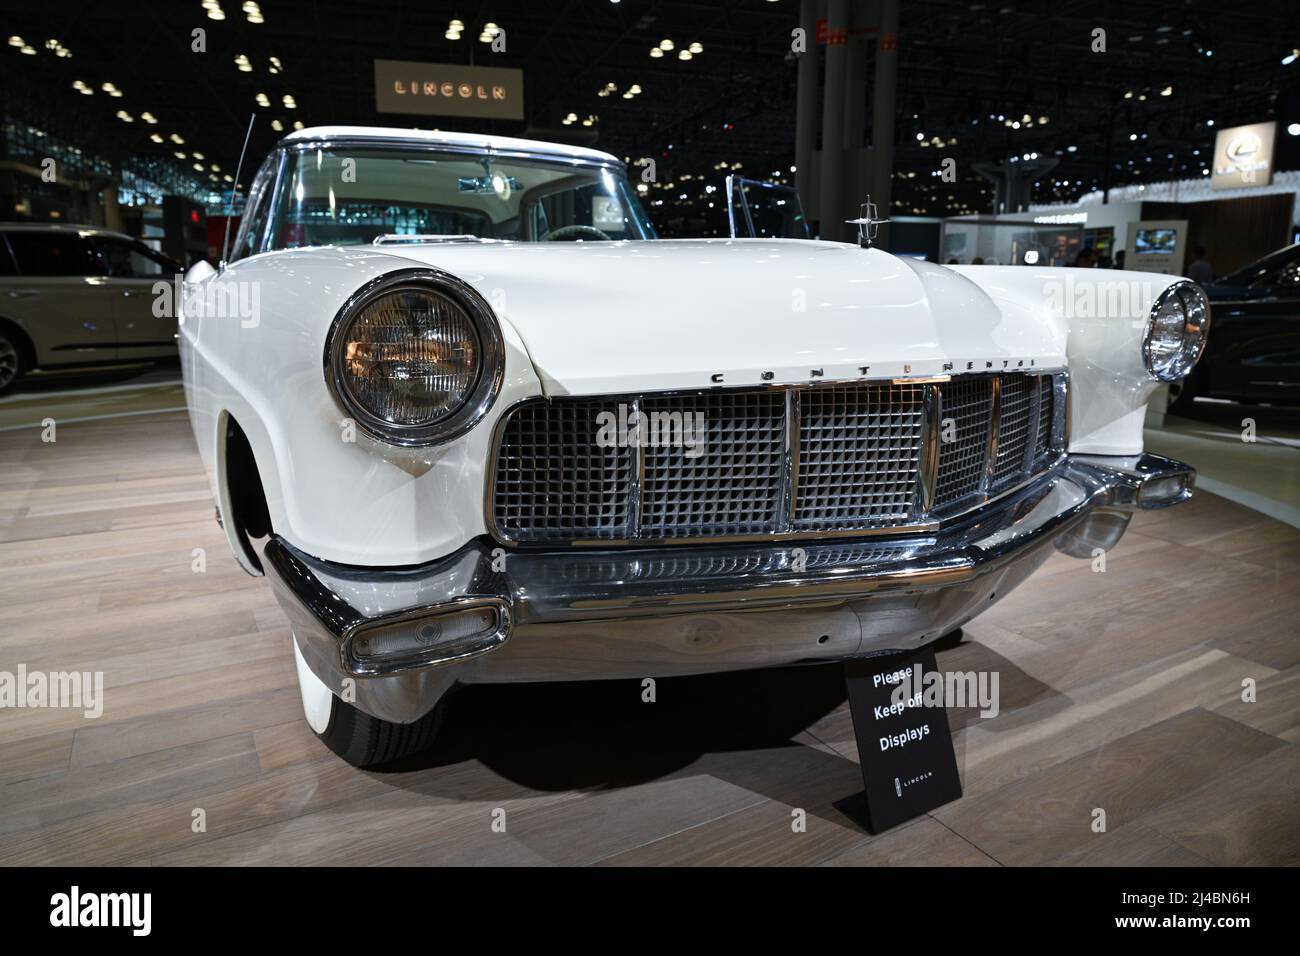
(11, 361)
(359, 738)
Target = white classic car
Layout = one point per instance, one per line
(466, 448)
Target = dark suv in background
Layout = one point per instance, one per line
(1253, 352)
(77, 295)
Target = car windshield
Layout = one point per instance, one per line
(347, 197)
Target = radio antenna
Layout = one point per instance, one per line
(225, 242)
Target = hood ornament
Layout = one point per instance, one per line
(867, 223)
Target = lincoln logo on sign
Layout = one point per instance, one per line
(1243, 156)
(441, 89)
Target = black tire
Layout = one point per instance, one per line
(1182, 395)
(13, 359)
(366, 741)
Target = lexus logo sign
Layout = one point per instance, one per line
(1243, 156)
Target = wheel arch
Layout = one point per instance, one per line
(241, 493)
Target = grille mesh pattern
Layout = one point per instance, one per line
(553, 481)
(859, 452)
(1043, 437)
(968, 402)
(1015, 406)
(733, 484)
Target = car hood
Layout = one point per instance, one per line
(601, 317)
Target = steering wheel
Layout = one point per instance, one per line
(577, 232)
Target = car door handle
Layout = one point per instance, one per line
(23, 293)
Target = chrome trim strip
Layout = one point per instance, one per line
(1062, 396)
(469, 149)
(928, 466)
(991, 449)
(789, 500)
(636, 487)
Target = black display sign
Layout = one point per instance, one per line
(908, 764)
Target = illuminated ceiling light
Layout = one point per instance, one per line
(179, 155)
(1167, 91)
(17, 41)
(82, 88)
(489, 32)
(155, 137)
(1286, 60)
(1128, 94)
(241, 62)
(125, 117)
(634, 89)
(685, 55)
(198, 155)
(215, 168)
(696, 47)
(149, 118)
(263, 99)
(452, 35)
(253, 12)
(214, 10)
(277, 125)
(456, 25)
(656, 52)
(276, 65)
(198, 167)
(28, 50)
(177, 139)
(628, 95)
(228, 178)
(297, 124)
(289, 102)
(666, 45)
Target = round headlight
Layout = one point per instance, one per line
(1176, 331)
(415, 357)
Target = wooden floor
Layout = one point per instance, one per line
(1120, 690)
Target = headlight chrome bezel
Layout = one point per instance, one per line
(491, 371)
(1188, 295)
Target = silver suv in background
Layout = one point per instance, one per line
(77, 295)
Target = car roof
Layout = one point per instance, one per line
(62, 227)
(448, 138)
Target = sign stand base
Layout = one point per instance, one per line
(908, 763)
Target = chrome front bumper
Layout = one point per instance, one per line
(648, 612)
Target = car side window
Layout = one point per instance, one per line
(1285, 279)
(133, 260)
(53, 254)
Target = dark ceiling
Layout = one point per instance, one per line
(959, 64)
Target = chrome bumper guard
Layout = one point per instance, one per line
(406, 634)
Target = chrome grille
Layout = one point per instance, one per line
(729, 484)
(965, 411)
(1046, 410)
(553, 481)
(809, 460)
(859, 455)
(1015, 397)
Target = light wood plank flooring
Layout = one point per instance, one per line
(1120, 691)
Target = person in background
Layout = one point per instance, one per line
(977, 261)
(1119, 259)
(1200, 271)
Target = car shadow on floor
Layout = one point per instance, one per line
(601, 735)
